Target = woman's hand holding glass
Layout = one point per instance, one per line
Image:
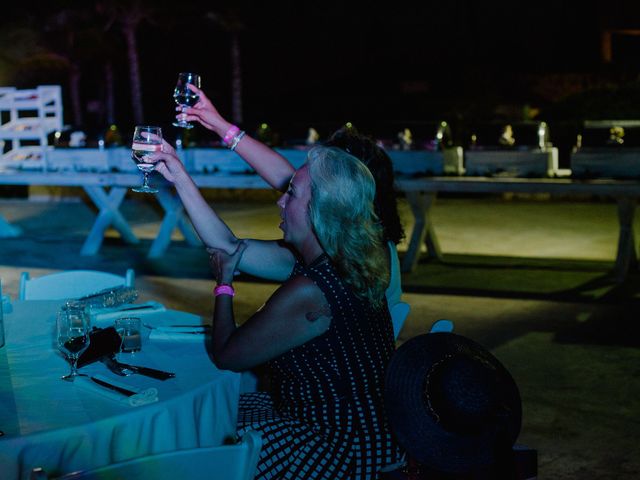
(72, 334)
(204, 113)
(167, 163)
(184, 96)
(146, 140)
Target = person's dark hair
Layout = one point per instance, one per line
(376, 159)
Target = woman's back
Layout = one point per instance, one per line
(350, 358)
(330, 388)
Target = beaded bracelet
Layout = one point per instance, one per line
(224, 289)
(231, 134)
(236, 140)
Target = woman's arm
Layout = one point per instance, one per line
(296, 313)
(270, 165)
(266, 259)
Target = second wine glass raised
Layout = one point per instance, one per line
(184, 96)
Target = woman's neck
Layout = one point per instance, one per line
(310, 250)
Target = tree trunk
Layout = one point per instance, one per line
(236, 80)
(74, 92)
(129, 32)
(109, 100)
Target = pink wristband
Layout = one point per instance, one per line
(224, 289)
(232, 132)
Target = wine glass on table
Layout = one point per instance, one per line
(72, 330)
(184, 96)
(146, 140)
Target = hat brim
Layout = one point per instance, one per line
(418, 431)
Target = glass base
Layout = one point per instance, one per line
(131, 350)
(72, 377)
(144, 189)
(182, 124)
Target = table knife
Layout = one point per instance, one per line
(149, 372)
(123, 391)
(115, 366)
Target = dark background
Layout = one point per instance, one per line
(382, 66)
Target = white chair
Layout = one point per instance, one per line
(227, 462)
(442, 325)
(70, 284)
(249, 382)
(399, 314)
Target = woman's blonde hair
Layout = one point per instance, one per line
(342, 215)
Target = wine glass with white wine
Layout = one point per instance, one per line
(146, 140)
(184, 96)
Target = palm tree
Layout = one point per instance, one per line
(66, 26)
(128, 15)
(18, 45)
(232, 24)
(76, 36)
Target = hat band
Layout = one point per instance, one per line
(426, 389)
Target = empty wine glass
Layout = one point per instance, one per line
(72, 329)
(184, 96)
(146, 140)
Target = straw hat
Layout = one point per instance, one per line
(451, 404)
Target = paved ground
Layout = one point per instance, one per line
(526, 277)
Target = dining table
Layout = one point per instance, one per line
(64, 426)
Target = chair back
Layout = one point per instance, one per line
(399, 313)
(70, 284)
(442, 325)
(226, 462)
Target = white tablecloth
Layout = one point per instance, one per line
(56, 425)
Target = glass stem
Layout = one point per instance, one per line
(146, 179)
(74, 366)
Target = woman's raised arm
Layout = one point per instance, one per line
(266, 259)
(270, 165)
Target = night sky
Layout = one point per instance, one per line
(324, 63)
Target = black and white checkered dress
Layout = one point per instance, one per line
(325, 418)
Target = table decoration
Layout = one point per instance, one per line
(106, 316)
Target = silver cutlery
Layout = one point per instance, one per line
(114, 368)
(125, 369)
(115, 388)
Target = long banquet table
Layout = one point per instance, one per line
(223, 169)
(107, 192)
(106, 175)
(422, 192)
(61, 427)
